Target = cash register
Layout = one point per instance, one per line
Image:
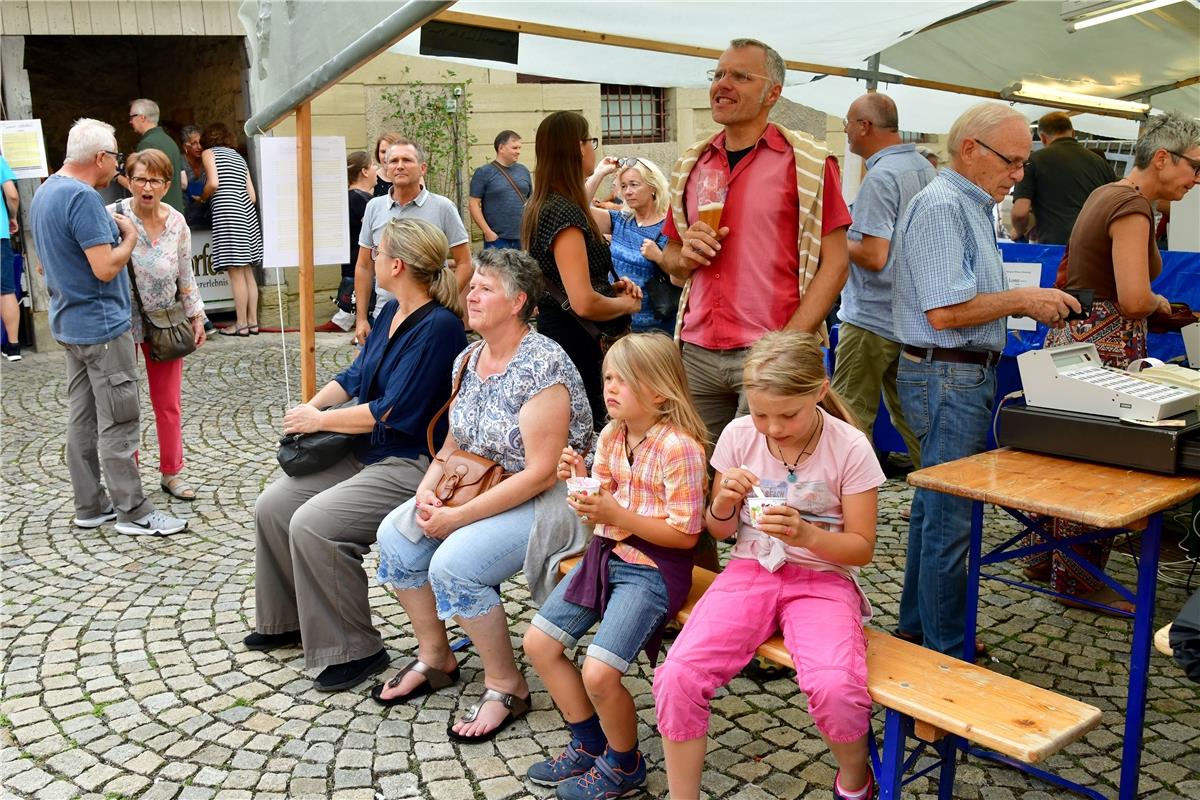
(1079, 408)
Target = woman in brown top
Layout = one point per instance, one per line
(1113, 253)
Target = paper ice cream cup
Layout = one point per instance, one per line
(757, 507)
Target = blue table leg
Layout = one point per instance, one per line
(947, 748)
(1139, 658)
(891, 775)
(974, 551)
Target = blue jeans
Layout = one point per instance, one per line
(635, 609)
(503, 244)
(949, 407)
(463, 569)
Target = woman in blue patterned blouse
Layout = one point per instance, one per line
(637, 238)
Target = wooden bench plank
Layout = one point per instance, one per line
(948, 695)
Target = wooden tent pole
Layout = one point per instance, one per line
(304, 210)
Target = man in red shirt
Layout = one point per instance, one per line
(780, 257)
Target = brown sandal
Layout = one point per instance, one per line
(434, 679)
(517, 708)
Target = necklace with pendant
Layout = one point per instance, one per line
(791, 468)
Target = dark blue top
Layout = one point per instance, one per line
(404, 381)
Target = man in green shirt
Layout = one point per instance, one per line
(143, 118)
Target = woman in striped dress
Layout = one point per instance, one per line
(236, 237)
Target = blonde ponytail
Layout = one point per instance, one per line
(424, 250)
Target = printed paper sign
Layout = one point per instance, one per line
(331, 206)
(1019, 275)
(23, 147)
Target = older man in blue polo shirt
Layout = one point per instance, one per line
(84, 251)
(867, 350)
(949, 307)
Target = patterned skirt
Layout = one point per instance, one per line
(1119, 341)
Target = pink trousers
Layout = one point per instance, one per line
(166, 379)
(821, 621)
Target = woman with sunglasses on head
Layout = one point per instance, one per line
(1113, 253)
(637, 239)
(581, 310)
(161, 264)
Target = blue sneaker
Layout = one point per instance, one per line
(604, 782)
(570, 763)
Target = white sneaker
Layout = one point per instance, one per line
(156, 523)
(96, 522)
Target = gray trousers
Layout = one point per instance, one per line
(311, 534)
(715, 382)
(102, 429)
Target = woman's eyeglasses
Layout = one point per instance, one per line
(153, 183)
(594, 142)
(630, 161)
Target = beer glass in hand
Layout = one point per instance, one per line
(710, 196)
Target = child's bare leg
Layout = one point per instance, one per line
(612, 702)
(852, 761)
(562, 680)
(685, 765)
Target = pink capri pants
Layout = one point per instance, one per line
(819, 614)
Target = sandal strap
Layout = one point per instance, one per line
(517, 706)
(436, 678)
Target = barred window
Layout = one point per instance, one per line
(632, 114)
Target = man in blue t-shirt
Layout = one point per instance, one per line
(84, 251)
(499, 190)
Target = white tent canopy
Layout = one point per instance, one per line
(983, 45)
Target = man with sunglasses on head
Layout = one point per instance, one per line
(83, 251)
(949, 307)
(778, 260)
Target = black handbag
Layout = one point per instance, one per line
(168, 332)
(306, 453)
(664, 296)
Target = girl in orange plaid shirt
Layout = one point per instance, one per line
(636, 573)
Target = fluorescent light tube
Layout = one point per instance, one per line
(1052, 94)
(1129, 11)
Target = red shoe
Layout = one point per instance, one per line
(330, 327)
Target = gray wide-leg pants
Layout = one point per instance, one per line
(311, 534)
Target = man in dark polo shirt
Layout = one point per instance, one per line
(1058, 178)
(143, 118)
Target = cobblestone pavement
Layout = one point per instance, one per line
(125, 676)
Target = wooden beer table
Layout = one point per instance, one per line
(1115, 500)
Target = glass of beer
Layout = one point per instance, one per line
(710, 196)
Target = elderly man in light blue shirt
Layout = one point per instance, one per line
(950, 307)
(867, 349)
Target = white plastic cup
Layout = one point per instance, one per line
(583, 486)
(757, 506)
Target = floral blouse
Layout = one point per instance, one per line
(483, 418)
(163, 267)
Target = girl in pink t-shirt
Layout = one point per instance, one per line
(794, 572)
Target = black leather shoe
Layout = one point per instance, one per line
(270, 641)
(336, 677)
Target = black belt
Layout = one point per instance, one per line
(986, 358)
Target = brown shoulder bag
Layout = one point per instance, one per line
(465, 475)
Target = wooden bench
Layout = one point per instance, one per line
(942, 702)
